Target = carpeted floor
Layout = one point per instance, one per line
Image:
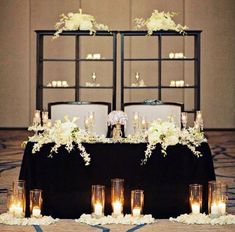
(223, 149)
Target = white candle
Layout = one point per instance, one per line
(54, 83)
(222, 208)
(16, 210)
(136, 212)
(36, 212)
(98, 209)
(214, 209)
(49, 123)
(195, 208)
(172, 83)
(199, 116)
(171, 55)
(117, 208)
(59, 83)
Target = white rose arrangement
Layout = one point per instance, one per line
(160, 21)
(167, 134)
(78, 21)
(62, 133)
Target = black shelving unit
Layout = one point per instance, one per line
(160, 59)
(41, 34)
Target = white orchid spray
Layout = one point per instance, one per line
(78, 21)
(160, 21)
(64, 133)
(167, 134)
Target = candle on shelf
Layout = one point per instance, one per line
(195, 208)
(222, 208)
(54, 83)
(59, 83)
(36, 212)
(65, 84)
(171, 55)
(136, 212)
(98, 209)
(117, 208)
(93, 76)
(172, 83)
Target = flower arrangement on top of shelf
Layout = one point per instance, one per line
(160, 21)
(68, 134)
(78, 21)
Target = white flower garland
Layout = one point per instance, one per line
(9, 219)
(78, 21)
(160, 21)
(204, 219)
(128, 219)
(163, 132)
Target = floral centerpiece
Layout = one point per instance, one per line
(167, 134)
(78, 21)
(115, 119)
(64, 133)
(160, 21)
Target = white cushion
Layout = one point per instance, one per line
(152, 112)
(58, 111)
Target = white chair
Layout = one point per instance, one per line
(152, 111)
(58, 110)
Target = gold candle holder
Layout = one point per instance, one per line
(195, 198)
(98, 200)
(36, 203)
(217, 198)
(137, 202)
(117, 196)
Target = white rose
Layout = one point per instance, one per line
(86, 25)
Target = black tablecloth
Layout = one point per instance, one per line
(66, 181)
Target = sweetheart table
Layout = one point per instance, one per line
(66, 182)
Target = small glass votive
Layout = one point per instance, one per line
(184, 119)
(117, 196)
(59, 83)
(98, 200)
(36, 203)
(137, 202)
(195, 198)
(54, 83)
(217, 198)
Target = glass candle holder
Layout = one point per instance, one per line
(36, 203)
(16, 202)
(136, 122)
(137, 202)
(195, 198)
(37, 117)
(44, 117)
(117, 196)
(98, 200)
(184, 119)
(217, 198)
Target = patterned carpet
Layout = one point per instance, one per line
(223, 149)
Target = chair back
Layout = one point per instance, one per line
(152, 111)
(58, 110)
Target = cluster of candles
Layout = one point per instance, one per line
(179, 83)
(58, 84)
(198, 123)
(217, 197)
(41, 118)
(117, 199)
(140, 123)
(95, 56)
(89, 122)
(178, 55)
(17, 201)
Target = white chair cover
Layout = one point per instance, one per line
(58, 111)
(152, 112)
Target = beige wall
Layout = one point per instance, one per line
(19, 19)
